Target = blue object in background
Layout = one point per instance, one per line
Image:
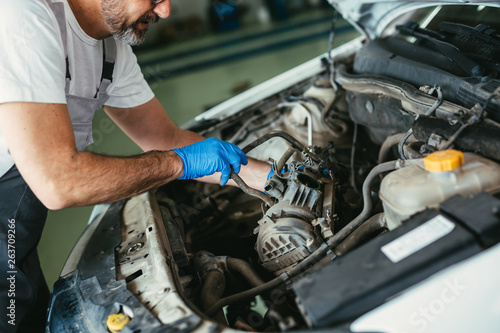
(225, 15)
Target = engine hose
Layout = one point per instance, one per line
(431, 110)
(281, 163)
(280, 134)
(245, 269)
(212, 290)
(244, 127)
(483, 137)
(333, 242)
(495, 94)
(353, 155)
(402, 142)
(316, 101)
(387, 145)
(214, 281)
(295, 144)
(250, 191)
(354, 224)
(341, 125)
(245, 295)
(372, 227)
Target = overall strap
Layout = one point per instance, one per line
(109, 57)
(58, 9)
(109, 50)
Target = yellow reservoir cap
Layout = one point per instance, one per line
(444, 160)
(117, 322)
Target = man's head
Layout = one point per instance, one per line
(129, 21)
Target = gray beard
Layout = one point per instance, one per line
(131, 36)
(113, 14)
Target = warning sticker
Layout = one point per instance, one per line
(418, 238)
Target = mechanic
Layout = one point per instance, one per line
(61, 61)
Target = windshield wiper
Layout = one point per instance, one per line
(450, 51)
(481, 32)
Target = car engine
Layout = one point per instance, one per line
(349, 152)
(348, 166)
(386, 138)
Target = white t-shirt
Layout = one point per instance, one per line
(33, 66)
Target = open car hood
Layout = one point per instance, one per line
(371, 17)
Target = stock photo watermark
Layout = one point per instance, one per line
(11, 272)
(426, 314)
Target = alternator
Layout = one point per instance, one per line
(286, 234)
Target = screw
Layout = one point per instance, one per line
(369, 107)
(135, 248)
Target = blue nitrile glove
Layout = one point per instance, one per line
(212, 155)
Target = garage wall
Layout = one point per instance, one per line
(186, 8)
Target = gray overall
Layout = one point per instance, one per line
(22, 212)
(81, 110)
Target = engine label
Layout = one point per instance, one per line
(418, 238)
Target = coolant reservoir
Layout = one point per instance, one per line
(443, 174)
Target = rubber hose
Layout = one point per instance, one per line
(244, 295)
(373, 226)
(250, 191)
(354, 224)
(284, 158)
(211, 292)
(245, 269)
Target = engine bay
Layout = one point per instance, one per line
(377, 147)
(347, 159)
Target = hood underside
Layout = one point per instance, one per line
(371, 16)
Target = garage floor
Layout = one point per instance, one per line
(188, 78)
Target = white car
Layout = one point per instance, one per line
(382, 214)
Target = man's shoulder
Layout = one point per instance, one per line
(20, 14)
(39, 7)
(32, 58)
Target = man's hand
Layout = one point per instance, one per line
(149, 126)
(209, 156)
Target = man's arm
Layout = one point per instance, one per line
(150, 127)
(42, 143)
